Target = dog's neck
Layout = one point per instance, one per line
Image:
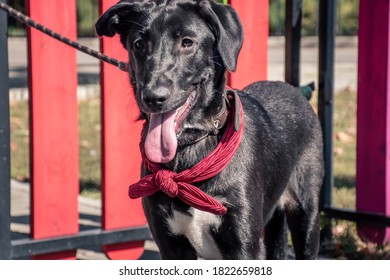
(214, 105)
(189, 155)
(215, 123)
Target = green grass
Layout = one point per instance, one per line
(89, 145)
(344, 150)
(19, 141)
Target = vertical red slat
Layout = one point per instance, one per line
(373, 123)
(252, 63)
(53, 123)
(121, 156)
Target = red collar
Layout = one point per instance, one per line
(180, 184)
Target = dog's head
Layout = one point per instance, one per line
(179, 51)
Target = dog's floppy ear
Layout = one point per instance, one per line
(227, 29)
(111, 21)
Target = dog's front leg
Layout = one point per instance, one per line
(171, 246)
(242, 250)
(239, 241)
(176, 248)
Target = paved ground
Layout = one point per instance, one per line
(345, 73)
(90, 211)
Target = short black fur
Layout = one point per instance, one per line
(180, 47)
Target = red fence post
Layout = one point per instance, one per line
(53, 124)
(121, 155)
(253, 59)
(373, 116)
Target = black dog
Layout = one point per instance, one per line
(179, 52)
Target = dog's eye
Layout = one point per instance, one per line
(139, 45)
(187, 43)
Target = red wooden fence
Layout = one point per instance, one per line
(253, 59)
(121, 157)
(54, 124)
(373, 116)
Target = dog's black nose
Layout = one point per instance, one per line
(157, 91)
(156, 98)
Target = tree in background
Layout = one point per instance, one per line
(87, 14)
(346, 18)
(15, 28)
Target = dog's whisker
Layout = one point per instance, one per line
(219, 64)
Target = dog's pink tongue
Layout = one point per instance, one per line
(161, 142)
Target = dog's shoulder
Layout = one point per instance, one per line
(278, 100)
(274, 91)
(279, 114)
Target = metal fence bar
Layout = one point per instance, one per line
(5, 167)
(293, 41)
(28, 247)
(371, 219)
(327, 11)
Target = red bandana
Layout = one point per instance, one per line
(180, 184)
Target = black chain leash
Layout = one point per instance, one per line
(28, 21)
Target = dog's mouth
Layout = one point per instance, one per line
(161, 140)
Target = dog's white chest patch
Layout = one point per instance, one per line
(197, 229)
